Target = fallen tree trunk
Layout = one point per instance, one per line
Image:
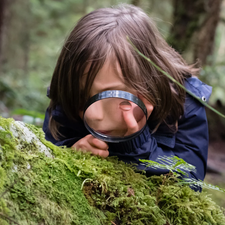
(44, 184)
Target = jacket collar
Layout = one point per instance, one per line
(197, 87)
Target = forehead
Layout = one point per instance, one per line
(110, 72)
(109, 77)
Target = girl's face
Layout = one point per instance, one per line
(106, 116)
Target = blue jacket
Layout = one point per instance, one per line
(190, 142)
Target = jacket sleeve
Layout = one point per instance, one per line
(189, 143)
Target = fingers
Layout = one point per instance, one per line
(93, 145)
(131, 122)
(102, 153)
(128, 116)
(96, 143)
(135, 120)
(142, 122)
(125, 105)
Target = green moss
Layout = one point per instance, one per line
(68, 187)
(40, 188)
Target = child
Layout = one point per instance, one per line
(97, 57)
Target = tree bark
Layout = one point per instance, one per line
(186, 15)
(204, 44)
(135, 2)
(2, 10)
(195, 19)
(16, 37)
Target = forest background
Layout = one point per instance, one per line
(32, 33)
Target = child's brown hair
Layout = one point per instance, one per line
(102, 34)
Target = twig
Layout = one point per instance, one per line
(82, 185)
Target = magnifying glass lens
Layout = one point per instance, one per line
(114, 119)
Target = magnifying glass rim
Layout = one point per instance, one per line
(114, 94)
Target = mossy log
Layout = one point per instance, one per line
(44, 184)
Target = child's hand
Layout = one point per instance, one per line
(93, 145)
(128, 115)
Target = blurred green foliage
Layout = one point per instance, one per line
(27, 68)
(35, 33)
(216, 196)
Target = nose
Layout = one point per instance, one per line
(95, 112)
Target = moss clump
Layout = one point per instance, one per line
(45, 184)
(39, 189)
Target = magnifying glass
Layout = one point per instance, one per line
(115, 116)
